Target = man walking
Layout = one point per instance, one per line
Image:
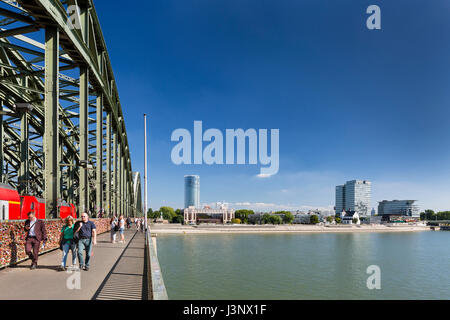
(35, 233)
(88, 239)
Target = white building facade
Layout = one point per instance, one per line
(192, 215)
(349, 217)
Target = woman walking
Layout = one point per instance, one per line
(138, 224)
(67, 243)
(114, 228)
(122, 229)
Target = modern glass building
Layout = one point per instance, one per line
(354, 196)
(192, 191)
(340, 199)
(399, 207)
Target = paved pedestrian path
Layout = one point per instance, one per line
(116, 272)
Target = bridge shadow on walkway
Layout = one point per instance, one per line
(126, 280)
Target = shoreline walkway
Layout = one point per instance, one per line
(117, 271)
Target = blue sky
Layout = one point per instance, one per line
(350, 103)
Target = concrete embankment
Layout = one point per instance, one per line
(214, 229)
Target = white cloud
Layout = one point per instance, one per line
(263, 176)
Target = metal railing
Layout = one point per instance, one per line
(155, 281)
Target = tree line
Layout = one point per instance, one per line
(241, 216)
(431, 215)
(168, 213)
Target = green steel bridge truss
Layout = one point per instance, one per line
(63, 135)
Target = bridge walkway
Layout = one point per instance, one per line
(116, 272)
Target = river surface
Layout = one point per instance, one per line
(413, 265)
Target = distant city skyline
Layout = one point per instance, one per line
(349, 102)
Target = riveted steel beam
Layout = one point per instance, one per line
(99, 150)
(24, 174)
(51, 120)
(108, 164)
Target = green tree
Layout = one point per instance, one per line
(314, 219)
(236, 221)
(428, 215)
(168, 213)
(243, 214)
(338, 220)
(288, 217)
(275, 219)
(156, 214)
(443, 215)
(330, 219)
(266, 218)
(282, 212)
(355, 220)
(179, 212)
(178, 219)
(152, 214)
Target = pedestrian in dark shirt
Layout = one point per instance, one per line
(35, 233)
(87, 239)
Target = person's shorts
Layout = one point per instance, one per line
(121, 231)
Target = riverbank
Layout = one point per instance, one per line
(231, 229)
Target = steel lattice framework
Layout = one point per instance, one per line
(63, 133)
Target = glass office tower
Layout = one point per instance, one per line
(354, 196)
(357, 196)
(192, 191)
(340, 199)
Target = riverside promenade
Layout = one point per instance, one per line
(158, 229)
(117, 271)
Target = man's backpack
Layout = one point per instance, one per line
(116, 226)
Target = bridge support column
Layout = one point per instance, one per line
(84, 119)
(84, 140)
(51, 130)
(70, 178)
(122, 181)
(108, 163)
(115, 182)
(99, 173)
(60, 168)
(119, 176)
(127, 192)
(24, 169)
(124, 203)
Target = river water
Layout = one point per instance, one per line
(413, 265)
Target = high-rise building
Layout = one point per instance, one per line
(399, 207)
(340, 199)
(354, 196)
(191, 191)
